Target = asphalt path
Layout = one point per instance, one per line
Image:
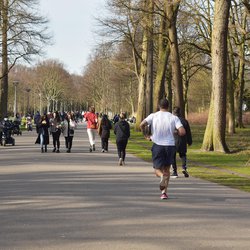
(83, 200)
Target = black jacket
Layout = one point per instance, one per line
(104, 129)
(44, 130)
(182, 141)
(122, 130)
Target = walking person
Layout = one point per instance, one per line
(122, 132)
(43, 133)
(163, 126)
(37, 118)
(181, 143)
(55, 129)
(69, 126)
(104, 132)
(92, 125)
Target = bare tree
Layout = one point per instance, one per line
(172, 12)
(239, 39)
(4, 55)
(23, 35)
(53, 82)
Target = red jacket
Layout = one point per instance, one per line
(92, 120)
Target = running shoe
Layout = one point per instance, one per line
(185, 172)
(120, 162)
(164, 196)
(163, 182)
(174, 175)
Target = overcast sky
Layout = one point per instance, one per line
(72, 23)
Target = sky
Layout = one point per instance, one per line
(72, 24)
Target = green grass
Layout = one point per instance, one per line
(231, 170)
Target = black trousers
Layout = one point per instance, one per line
(105, 143)
(121, 148)
(56, 138)
(68, 142)
(183, 157)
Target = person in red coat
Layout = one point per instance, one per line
(92, 125)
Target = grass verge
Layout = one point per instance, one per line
(232, 170)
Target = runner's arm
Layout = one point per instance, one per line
(143, 124)
(181, 131)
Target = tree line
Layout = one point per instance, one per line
(195, 53)
(173, 42)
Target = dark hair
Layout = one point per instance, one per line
(92, 109)
(104, 120)
(58, 117)
(177, 111)
(43, 118)
(163, 103)
(122, 115)
(72, 115)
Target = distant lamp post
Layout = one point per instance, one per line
(15, 97)
(28, 99)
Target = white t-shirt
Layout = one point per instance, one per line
(163, 125)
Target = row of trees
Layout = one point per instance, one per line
(195, 53)
(45, 87)
(172, 43)
(23, 33)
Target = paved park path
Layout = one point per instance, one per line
(86, 201)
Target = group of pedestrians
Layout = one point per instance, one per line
(170, 134)
(55, 125)
(103, 127)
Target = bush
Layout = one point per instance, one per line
(198, 118)
(246, 118)
(201, 118)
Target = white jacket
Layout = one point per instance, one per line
(69, 130)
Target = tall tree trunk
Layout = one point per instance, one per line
(130, 98)
(207, 144)
(230, 98)
(231, 89)
(150, 59)
(219, 79)
(172, 11)
(169, 87)
(240, 87)
(163, 56)
(242, 20)
(4, 78)
(140, 114)
(144, 106)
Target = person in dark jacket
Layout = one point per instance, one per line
(181, 143)
(56, 129)
(37, 118)
(104, 132)
(122, 132)
(69, 126)
(43, 133)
